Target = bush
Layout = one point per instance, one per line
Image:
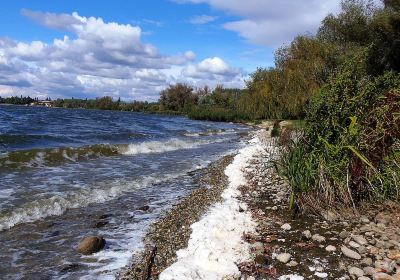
(276, 129)
(350, 145)
(216, 114)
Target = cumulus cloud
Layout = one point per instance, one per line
(213, 71)
(97, 58)
(272, 23)
(202, 19)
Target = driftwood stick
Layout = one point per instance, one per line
(149, 264)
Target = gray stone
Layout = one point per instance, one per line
(360, 239)
(344, 234)
(369, 270)
(356, 271)
(318, 238)
(367, 261)
(382, 276)
(350, 253)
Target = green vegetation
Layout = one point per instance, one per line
(22, 100)
(350, 149)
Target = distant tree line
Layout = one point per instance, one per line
(17, 100)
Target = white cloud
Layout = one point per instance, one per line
(202, 19)
(272, 23)
(212, 71)
(97, 58)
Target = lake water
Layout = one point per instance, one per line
(66, 174)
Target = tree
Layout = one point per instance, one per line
(179, 97)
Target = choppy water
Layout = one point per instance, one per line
(62, 171)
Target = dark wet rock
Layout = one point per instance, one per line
(91, 244)
(144, 208)
(99, 224)
(54, 233)
(70, 267)
(45, 225)
(260, 259)
(104, 216)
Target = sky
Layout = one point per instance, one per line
(134, 49)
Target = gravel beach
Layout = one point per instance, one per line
(347, 245)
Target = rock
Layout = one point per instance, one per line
(100, 224)
(362, 250)
(284, 257)
(318, 238)
(274, 208)
(382, 218)
(353, 244)
(382, 276)
(330, 248)
(321, 274)
(70, 267)
(364, 278)
(44, 225)
(292, 263)
(384, 266)
(258, 247)
(394, 255)
(369, 270)
(360, 240)
(306, 234)
(365, 220)
(104, 216)
(144, 208)
(286, 227)
(344, 234)
(260, 259)
(330, 216)
(356, 271)
(367, 261)
(350, 253)
(91, 244)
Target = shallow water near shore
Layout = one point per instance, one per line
(67, 174)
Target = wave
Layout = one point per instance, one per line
(152, 147)
(209, 132)
(59, 203)
(54, 157)
(57, 156)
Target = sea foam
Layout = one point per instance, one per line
(216, 245)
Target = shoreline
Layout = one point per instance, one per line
(333, 245)
(172, 232)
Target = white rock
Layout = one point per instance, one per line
(330, 248)
(284, 257)
(286, 227)
(307, 234)
(318, 238)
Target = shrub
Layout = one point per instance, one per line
(276, 129)
(350, 145)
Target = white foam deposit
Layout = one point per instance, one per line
(216, 244)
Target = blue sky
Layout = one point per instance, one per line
(133, 49)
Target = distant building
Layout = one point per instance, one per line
(45, 103)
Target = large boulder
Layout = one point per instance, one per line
(91, 244)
